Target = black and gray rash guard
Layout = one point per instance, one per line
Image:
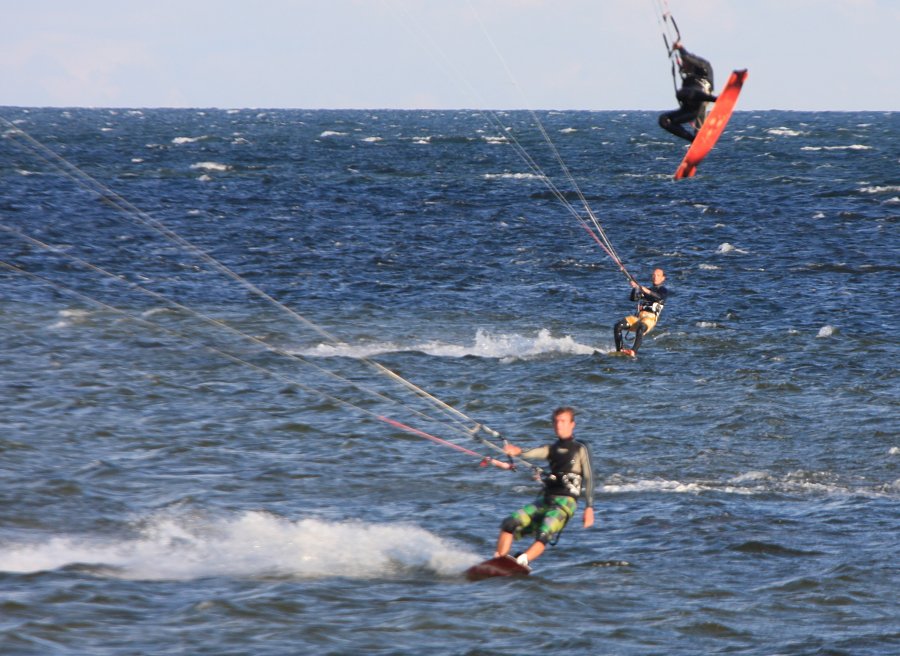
(571, 473)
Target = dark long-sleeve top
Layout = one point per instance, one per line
(695, 69)
(576, 461)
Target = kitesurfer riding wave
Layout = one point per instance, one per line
(650, 304)
(571, 474)
(696, 90)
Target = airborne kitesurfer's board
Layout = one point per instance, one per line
(713, 126)
(500, 566)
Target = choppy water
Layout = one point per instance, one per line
(160, 498)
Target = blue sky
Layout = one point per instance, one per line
(497, 54)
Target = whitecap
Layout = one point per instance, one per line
(851, 147)
(725, 247)
(372, 139)
(211, 166)
(500, 346)
(708, 267)
(891, 189)
(332, 133)
(186, 140)
(74, 314)
(655, 485)
(784, 132)
(512, 176)
(826, 331)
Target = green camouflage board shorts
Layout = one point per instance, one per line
(545, 518)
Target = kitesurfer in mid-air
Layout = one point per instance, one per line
(650, 303)
(570, 477)
(696, 90)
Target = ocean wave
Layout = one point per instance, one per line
(178, 141)
(725, 247)
(513, 176)
(851, 147)
(211, 166)
(890, 189)
(246, 545)
(785, 132)
(753, 483)
(486, 345)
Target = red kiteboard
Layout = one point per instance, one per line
(500, 566)
(713, 126)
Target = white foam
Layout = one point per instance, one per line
(784, 132)
(892, 189)
(211, 166)
(486, 345)
(247, 545)
(753, 482)
(729, 248)
(826, 331)
(332, 133)
(186, 140)
(851, 147)
(513, 176)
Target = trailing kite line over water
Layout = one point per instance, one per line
(449, 417)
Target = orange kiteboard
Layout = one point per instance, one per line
(713, 126)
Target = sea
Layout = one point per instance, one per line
(251, 361)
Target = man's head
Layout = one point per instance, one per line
(658, 277)
(564, 422)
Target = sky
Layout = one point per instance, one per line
(819, 55)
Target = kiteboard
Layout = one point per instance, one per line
(624, 353)
(499, 566)
(713, 126)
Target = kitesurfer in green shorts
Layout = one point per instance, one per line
(570, 476)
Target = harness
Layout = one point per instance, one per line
(655, 307)
(561, 480)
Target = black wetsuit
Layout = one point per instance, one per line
(696, 87)
(647, 302)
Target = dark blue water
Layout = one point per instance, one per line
(188, 468)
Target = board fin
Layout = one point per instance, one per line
(713, 126)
